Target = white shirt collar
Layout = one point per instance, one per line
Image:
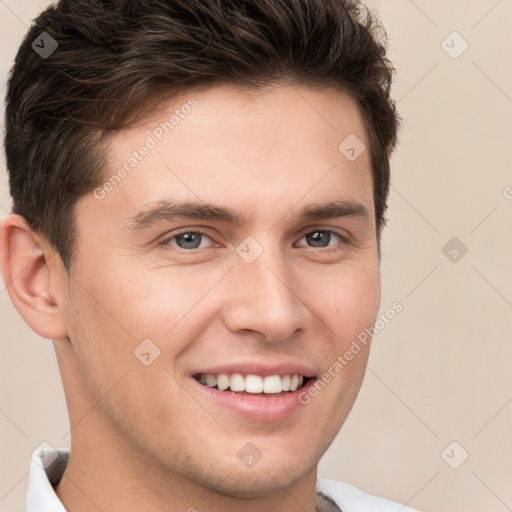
(46, 469)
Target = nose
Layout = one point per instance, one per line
(264, 299)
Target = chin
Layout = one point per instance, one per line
(253, 483)
(265, 478)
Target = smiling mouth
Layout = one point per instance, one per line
(254, 385)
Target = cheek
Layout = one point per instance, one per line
(347, 300)
(122, 308)
(136, 302)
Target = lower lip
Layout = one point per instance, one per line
(257, 408)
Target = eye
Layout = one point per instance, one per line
(321, 238)
(187, 240)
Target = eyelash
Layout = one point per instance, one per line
(328, 249)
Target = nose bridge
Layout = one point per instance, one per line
(266, 300)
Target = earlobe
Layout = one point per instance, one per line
(30, 279)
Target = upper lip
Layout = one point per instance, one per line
(258, 368)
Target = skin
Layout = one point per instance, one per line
(142, 437)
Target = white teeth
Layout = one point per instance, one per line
(236, 382)
(272, 384)
(223, 381)
(253, 384)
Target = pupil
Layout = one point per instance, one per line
(316, 238)
(191, 240)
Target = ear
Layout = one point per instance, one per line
(33, 277)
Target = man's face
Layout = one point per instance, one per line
(269, 292)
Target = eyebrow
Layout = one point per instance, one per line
(171, 210)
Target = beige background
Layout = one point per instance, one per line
(440, 371)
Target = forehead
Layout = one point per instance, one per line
(275, 147)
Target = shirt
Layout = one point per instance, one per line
(47, 467)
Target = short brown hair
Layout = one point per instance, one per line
(115, 55)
